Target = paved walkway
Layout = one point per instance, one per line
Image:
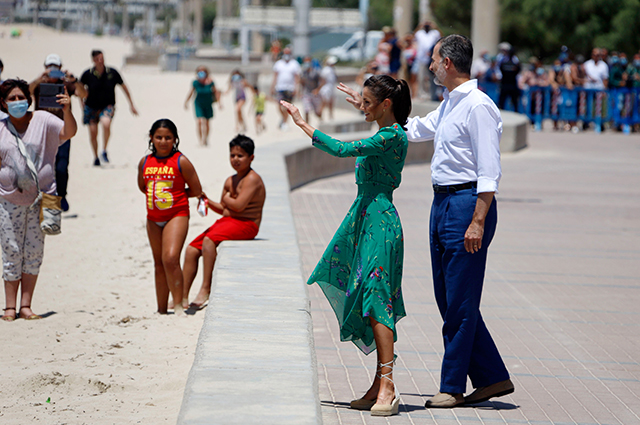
(562, 291)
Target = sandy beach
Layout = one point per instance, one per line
(101, 355)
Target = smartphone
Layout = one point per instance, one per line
(49, 95)
(56, 73)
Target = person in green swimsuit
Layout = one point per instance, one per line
(206, 94)
(361, 270)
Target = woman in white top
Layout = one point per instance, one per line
(20, 236)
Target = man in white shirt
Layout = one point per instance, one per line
(597, 71)
(465, 172)
(286, 77)
(426, 37)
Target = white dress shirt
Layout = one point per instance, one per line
(466, 129)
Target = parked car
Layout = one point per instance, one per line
(352, 49)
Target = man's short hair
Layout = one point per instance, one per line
(459, 50)
(243, 142)
(95, 53)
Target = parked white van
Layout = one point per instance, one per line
(351, 50)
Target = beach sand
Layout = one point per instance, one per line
(101, 355)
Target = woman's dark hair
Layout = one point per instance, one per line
(8, 85)
(169, 125)
(384, 87)
(244, 143)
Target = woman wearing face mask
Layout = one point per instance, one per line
(20, 235)
(237, 83)
(206, 94)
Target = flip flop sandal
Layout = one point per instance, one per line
(32, 317)
(6, 318)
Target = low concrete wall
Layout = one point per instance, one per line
(255, 359)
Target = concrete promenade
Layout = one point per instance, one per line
(561, 294)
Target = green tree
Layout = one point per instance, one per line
(543, 26)
(208, 16)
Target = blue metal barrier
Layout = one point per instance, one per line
(620, 106)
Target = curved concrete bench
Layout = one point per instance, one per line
(255, 358)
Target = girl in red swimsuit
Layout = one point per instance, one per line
(168, 179)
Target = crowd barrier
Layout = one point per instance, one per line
(620, 106)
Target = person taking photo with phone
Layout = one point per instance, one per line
(54, 75)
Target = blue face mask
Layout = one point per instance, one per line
(201, 75)
(540, 71)
(623, 61)
(614, 60)
(636, 63)
(18, 108)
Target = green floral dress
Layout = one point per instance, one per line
(361, 270)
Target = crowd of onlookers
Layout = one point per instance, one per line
(406, 56)
(504, 74)
(604, 71)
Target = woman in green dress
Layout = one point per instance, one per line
(206, 95)
(361, 269)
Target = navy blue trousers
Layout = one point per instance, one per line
(458, 276)
(62, 168)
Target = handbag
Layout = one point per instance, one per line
(50, 208)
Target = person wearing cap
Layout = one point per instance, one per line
(99, 106)
(54, 74)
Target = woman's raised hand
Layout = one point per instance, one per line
(294, 112)
(64, 100)
(355, 100)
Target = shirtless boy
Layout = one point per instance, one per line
(240, 205)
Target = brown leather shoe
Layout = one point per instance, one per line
(444, 401)
(485, 393)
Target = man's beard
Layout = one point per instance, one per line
(439, 75)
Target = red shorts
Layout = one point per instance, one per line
(227, 229)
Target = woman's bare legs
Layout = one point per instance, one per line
(166, 245)
(190, 269)
(205, 138)
(199, 128)
(162, 290)
(27, 286)
(10, 298)
(382, 390)
(240, 126)
(209, 253)
(173, 237)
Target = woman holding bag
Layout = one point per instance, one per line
(28, 145)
